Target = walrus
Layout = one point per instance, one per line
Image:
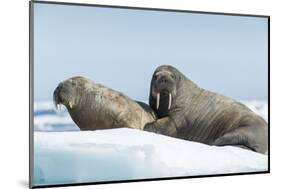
(93, 106)
(186, 111)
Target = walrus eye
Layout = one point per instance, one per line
(173, 77)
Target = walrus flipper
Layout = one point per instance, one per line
(240, 137)
(233, 138)
(164, 126)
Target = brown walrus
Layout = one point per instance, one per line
(93, 106)
(189, 112)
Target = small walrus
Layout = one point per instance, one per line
(93, 106)
(189, 112)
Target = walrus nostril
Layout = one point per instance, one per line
(163, 80)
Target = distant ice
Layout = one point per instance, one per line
(47, 119)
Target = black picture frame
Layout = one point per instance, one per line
(31, 90)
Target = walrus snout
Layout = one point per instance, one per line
(164, 88)
(57, 97)
(62, 95)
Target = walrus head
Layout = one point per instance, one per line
(69, 92)
(163, 89)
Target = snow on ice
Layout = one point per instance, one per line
(75, 156)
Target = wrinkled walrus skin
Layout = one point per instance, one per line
(189, 112)
(93, 106)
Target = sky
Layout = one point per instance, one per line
(121, 48)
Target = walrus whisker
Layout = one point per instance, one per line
(157, 100)
(170, 101)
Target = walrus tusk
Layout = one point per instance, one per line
(70, 105)
(170, 101)
(60, 108)
(157, 100)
